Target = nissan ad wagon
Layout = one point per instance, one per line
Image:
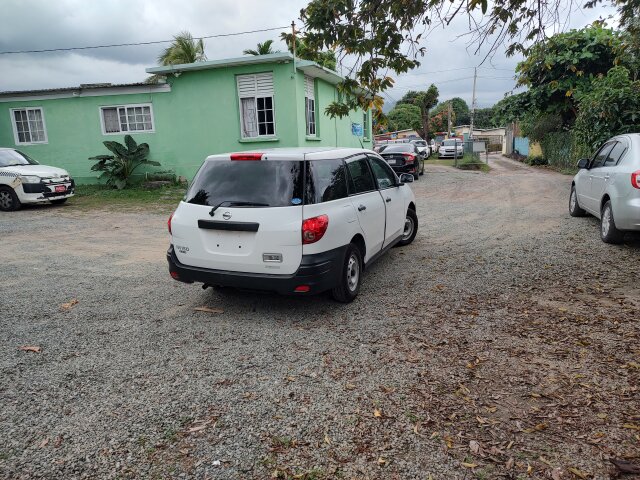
(293, 221)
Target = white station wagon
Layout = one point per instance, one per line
(293, 221)
(23, 180)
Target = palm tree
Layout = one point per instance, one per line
(263, 49)
(184, 49)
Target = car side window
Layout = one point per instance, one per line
(326, 181)
(383, 173)
(601, 156)
(361, 179)
(616, 153)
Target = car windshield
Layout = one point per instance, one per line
(9, 158)
(451, 143)
(421, 143)
(405, 147)
(260, 183)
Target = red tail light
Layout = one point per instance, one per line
(302, 288)
(409, 156)
(313, 228)
(169, 222)
(246, 156)
(635, 179)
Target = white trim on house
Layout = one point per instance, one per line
(80, 92)
(126, 106)
(16, 138)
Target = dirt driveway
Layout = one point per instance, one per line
(503, 343)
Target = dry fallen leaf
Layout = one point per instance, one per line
(529, 469)
(556, 474)
(327, 440)
(631, 425)
(44, 443)
(509, 464)
(624, 466)
(349, 386)
(415, 428)
(377, 413)
(29, 348)
(578, 473)
(469, 465)
(208, 310)
(184, 451)
(474, 447)
(69, 305)
(381, 461)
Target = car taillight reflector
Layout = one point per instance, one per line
(246, 156)
(169, 222)
(302, 288)
(314, 228)
(635, 179)
(410, 156)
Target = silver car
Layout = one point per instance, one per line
(608, 187)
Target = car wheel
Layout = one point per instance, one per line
(350, 277)
(608, 231)
(422, 170)
(59, 201)
(416, 170)
(8, 200)
(410, 228)
(574, 207)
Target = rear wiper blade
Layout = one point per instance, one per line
(232, 203)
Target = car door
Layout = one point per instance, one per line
(596, 179)
(368, 203)
(395, 208)
(606, 175)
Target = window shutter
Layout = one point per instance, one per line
(308, 87)
(260, 85)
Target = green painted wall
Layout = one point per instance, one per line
(199, 117)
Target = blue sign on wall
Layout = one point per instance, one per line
(356, 129)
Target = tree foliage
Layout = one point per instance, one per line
(483, 118)
(382, 36)
(184, 49)
(511, 108)
(404, 116)
(610, 107)
(263, 48)
(555, 70)
(326, 58)
(119, 167)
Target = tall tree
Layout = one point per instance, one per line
(380, 36)
(427, 100)
(184, 49)
(326, 58)
(263, 48)
(403, 117)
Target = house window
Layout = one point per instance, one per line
(257, 117)
(28, 125)
(126, 118)
(365, 124)
(310, 106)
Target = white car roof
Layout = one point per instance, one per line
(299, 153)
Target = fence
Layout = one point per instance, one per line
(562, 150)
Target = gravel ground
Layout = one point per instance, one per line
(503, 343)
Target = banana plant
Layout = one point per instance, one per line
(119, 167)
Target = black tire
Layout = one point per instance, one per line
(608, 231)
(59, 201)
(8, 199)
(410, 228)
(416, 170)
(349, 286)
(422, 164)
(574, 206)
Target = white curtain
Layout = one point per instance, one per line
(111, 122)
(249, 120)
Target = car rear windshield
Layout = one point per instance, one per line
(273, 183)
(407, 147)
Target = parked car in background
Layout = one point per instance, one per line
(608, 187)
(423, 147)
(449, 147)
(293, 221)
(404, 158)
(23, 180)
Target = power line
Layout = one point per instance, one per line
(422, 85)
(138, 43)
(441, 71)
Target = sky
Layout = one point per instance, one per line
(42, 24)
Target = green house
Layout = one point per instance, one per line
(246, 103)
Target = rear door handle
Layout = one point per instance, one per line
(361, 208)
(388, 199)
(606, 177)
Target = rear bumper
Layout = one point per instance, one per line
(320, 272)
(406, 168)
(627, 214)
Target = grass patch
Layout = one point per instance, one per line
(100, 196)
(446, 162)
(471, 162)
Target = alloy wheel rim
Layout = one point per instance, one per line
(573, 200)
(606, 221)
(408, 228)
(353, 272)
(5, 200)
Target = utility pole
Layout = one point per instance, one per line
(449, 120)
(293, 44)
(473, 103)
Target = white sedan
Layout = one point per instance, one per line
(608, 187)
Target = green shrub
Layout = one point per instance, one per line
(537, 160)
(562, 150)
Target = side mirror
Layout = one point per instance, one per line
(406, 178)
(583, 163)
